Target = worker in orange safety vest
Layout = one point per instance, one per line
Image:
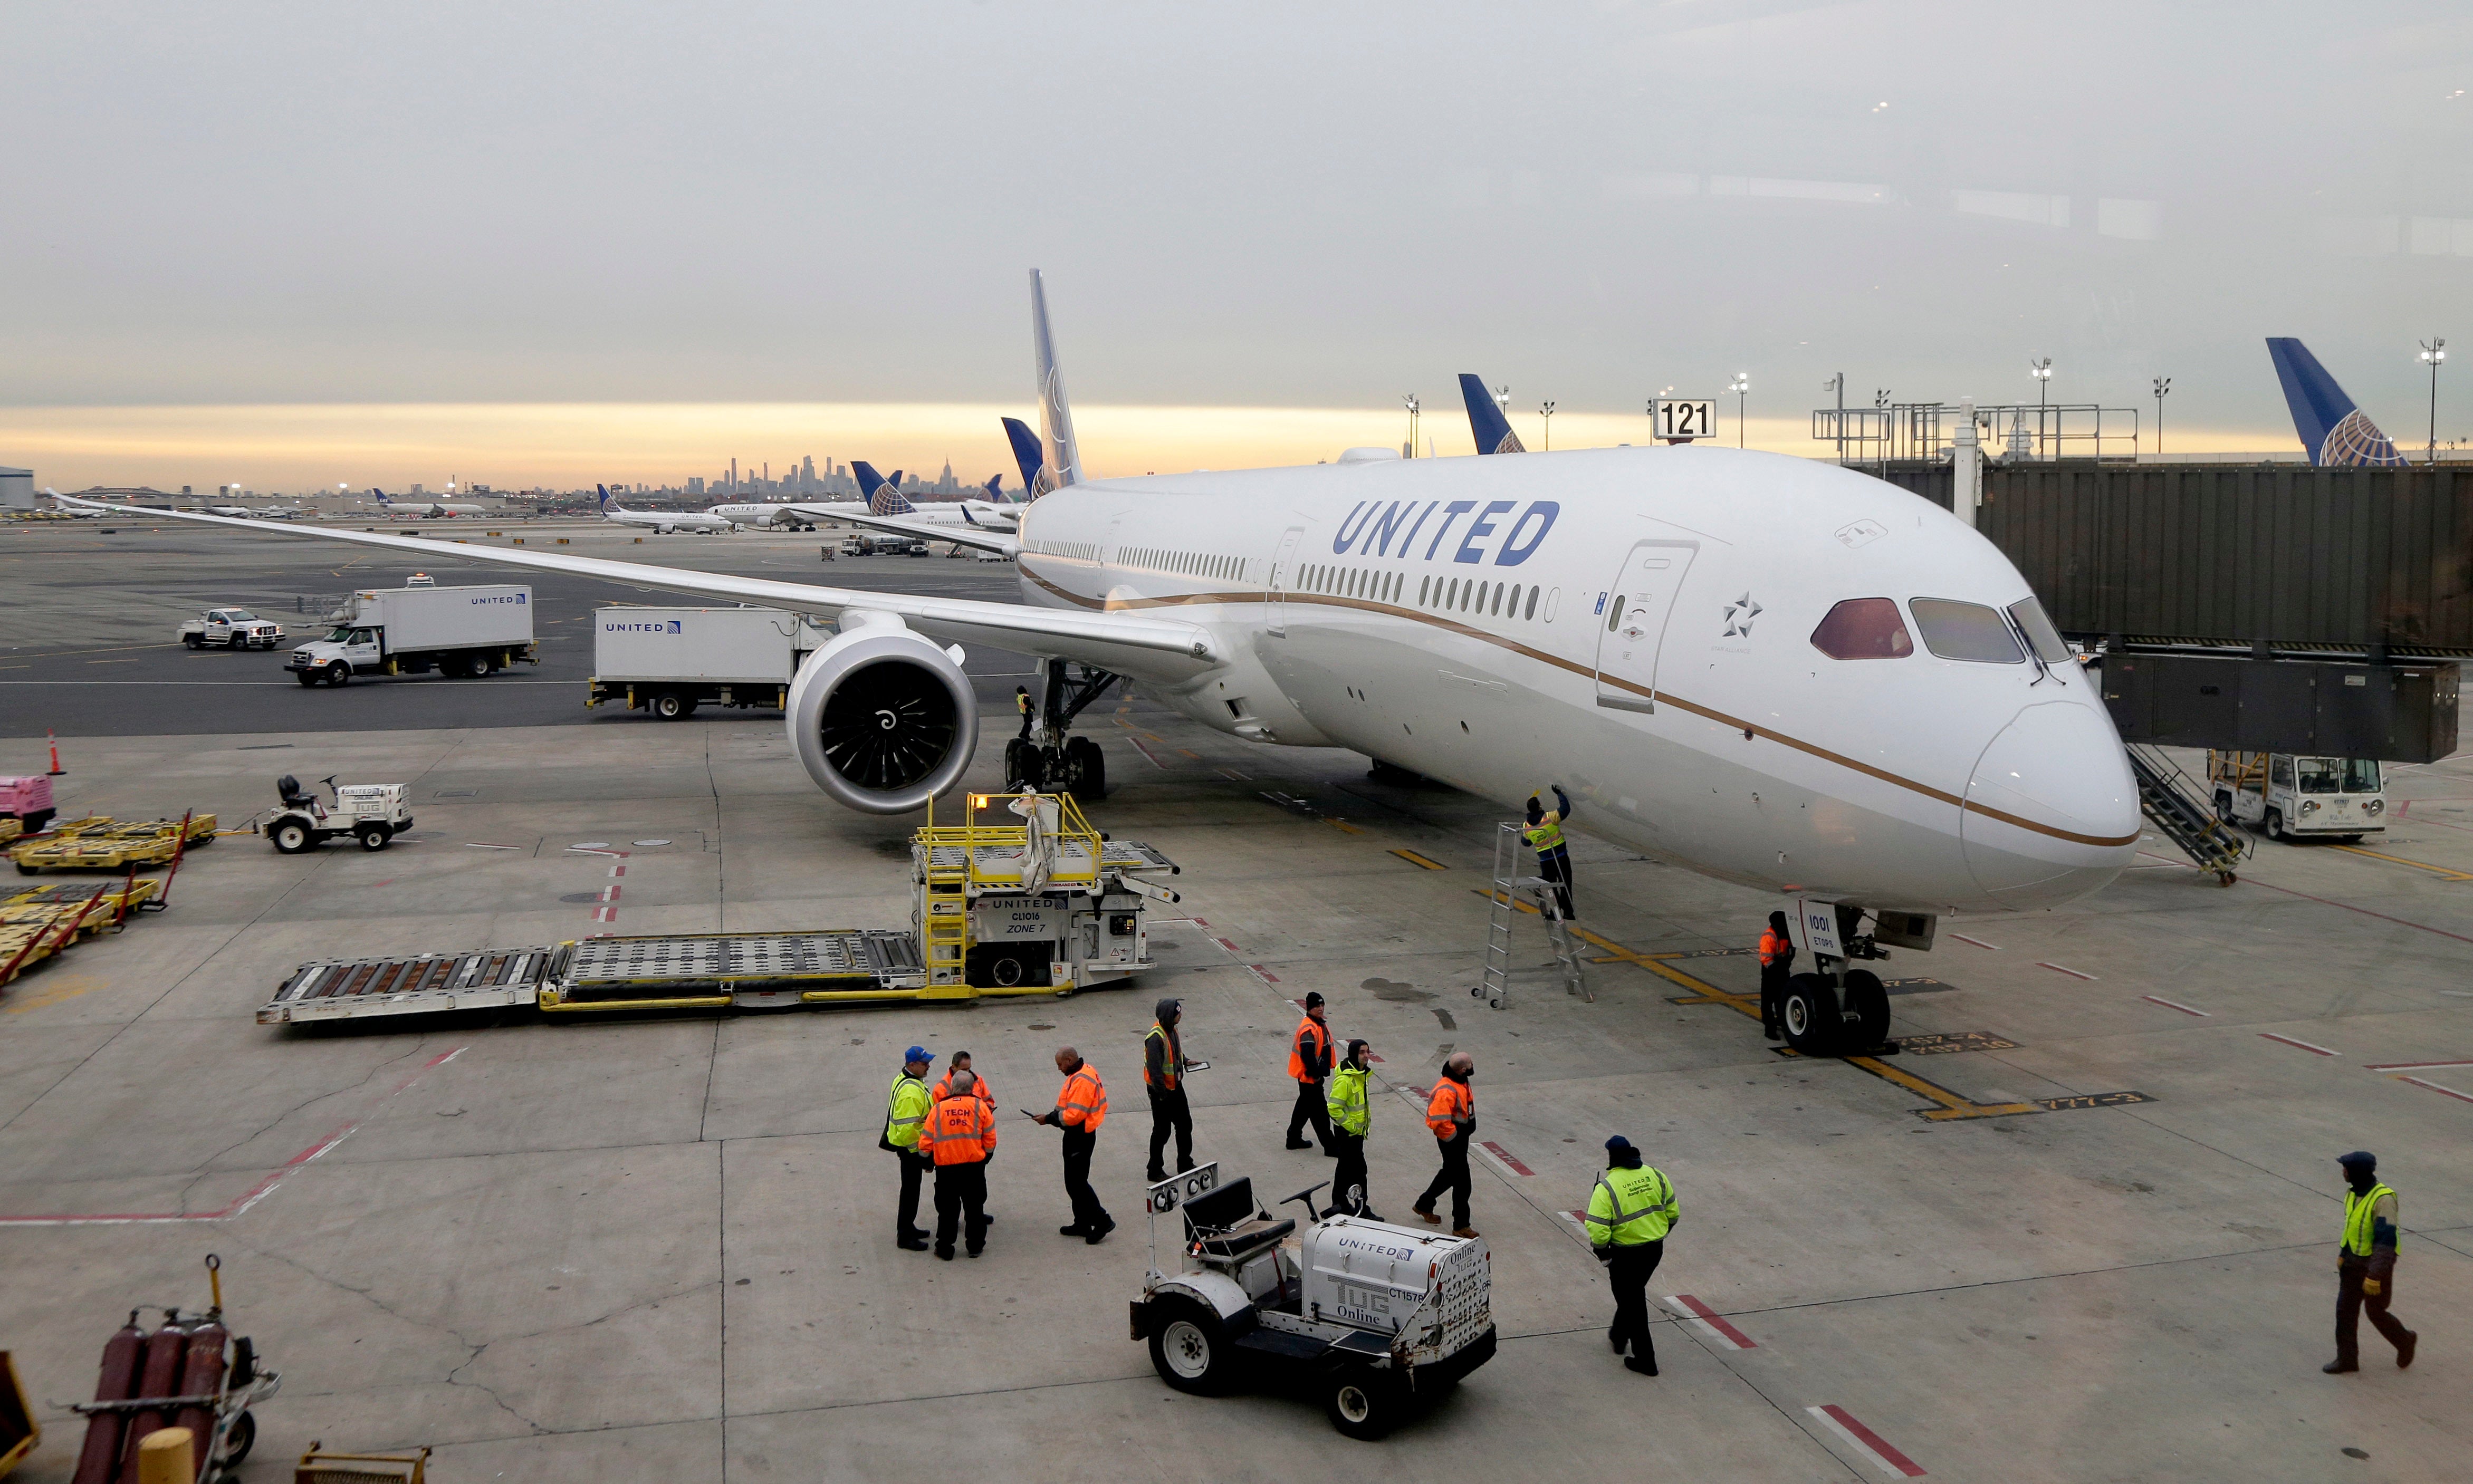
(1081, 1106)
(961, 1138)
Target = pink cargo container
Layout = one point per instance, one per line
(28, 798)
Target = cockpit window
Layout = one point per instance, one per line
(2049, 645)
(1966, 631)
(1863, 629)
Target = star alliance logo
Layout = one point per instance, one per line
(1740, 615)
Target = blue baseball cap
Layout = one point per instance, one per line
(916, 1054)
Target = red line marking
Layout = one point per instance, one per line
(1889, 1458)
(1198, 922)
(2175, 1004)
(1263, 975)
(2408, 1067)
(2363, 911)
(255, 1193)
(1713, 1319)
(1231, 772)
(2462, 1097)
(390, 881)
(1225, 944)
(1977, 941)
(2057, 969)
(2290, 1042)
(1505, 1156)
(1145, 751)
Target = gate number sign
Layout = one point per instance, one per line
(1680, 417)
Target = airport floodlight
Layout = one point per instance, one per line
(2434, 352)
(2163, 389)
(1741, 386)
(1503, 398)
(1545, 410)
(1410, 452)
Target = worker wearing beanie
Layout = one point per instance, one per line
(1629, 1214)
(1308, 1064)
(2366, 1266)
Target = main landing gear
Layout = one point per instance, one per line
(1048, 760)
(1839, 1009)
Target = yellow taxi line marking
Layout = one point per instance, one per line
(52, 998)
(1343, 826)
(1415, 859)
(2443, 873)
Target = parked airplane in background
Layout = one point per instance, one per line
(237, 512)
(426, 507)
(2333, 430)
(663, 522)
(1487, 423)
(1767, 669)
(278, 512)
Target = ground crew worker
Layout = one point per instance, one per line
(905, 1111)
(1163, 1067)
(1308, 1064)
(1452, 1114)
(1022, 702)
(2366, 1266)
(961, 1136)
(1081, 1106)
(1777, 961)
(1545, 836)
(944, 1086)
(1629, 1214)
(1350, 1115)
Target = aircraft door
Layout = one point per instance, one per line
(1283, 576)
(1632, 623)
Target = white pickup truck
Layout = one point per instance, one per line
(232, 628)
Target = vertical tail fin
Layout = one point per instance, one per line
(1028, 454)
(994, 489)
(604, 492)
(1486, 420)
(381, 495)
(2333, 430)
(884, 496)
(1062, 460)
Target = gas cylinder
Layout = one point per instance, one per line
(202, 1375)
(166, 1352)
(116, 1383)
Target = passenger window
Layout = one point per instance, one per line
(1422, 584)
(1532, 604)
(1863, 629)
(1497, 606)
(1966, 631)
(1614, 613)
(2038, 628)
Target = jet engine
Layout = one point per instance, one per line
(881, 718)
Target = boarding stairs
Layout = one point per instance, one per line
(1510, 889)
(2174, 804)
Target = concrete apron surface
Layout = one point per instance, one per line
(664, 1247)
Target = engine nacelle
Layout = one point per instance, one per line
(881, 718)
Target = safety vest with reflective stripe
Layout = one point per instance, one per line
(1451, 1109)
(1544, 836)
(1775, 945)
(944, 1089)
(1171, 1059)
(1629, 1207)
(905, 1110)
(1083, 1104)
(961, 1131)
(1308, 1051)
(2357, 1226)
(1349, 1113)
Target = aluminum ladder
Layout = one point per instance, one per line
(1509, 888)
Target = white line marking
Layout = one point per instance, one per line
(2175, 1004)
(1902, 1468)
(2313, 1050)
(2074, 973)
(1977, 941)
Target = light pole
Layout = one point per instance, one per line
(2163, 389)
(1741, 386)
(2042, 371)
(1547, 411)
(1880, 405)
(2434, 350)
(1411, 400)
(1838, 383)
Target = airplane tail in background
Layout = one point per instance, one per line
(1027, 453)
(995, 487)
(1492, 430)
(381, 495)
(604, 492)
(2334, 431)
(884, 496)
(1063, 461)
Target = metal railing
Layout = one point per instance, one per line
(1923, 432)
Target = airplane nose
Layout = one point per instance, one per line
(2051, 812)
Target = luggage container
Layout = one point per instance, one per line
(670, 660)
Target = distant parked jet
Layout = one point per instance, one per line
(2333, 430)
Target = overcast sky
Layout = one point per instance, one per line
(1288, 206)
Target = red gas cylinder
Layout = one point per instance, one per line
(118, 1383)
(202, 1375)
(166, 1352)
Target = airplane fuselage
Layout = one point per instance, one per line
(1638, 626)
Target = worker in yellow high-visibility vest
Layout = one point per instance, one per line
(905, 1112)
(1629, 1214)
(2366, 1266)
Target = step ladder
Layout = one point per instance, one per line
(944, 917)
(1509, 889)
(2177, 807)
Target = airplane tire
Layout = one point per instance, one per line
(1811, 1021)
(1087, 767)
(1867, 1000)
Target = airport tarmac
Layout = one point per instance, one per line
(662, 1247)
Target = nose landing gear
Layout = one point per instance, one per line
(1839, 1009)
(1048, 760)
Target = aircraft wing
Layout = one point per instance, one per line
(971, 535)
(1145, 647)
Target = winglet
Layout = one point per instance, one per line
(1028, 454)
(1492, 429)
(2333, 430)
(1062, 459)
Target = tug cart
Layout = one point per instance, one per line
(372, 813)
(191, 1373)
(1044, 906)
(1369, 1315)
(110, 846)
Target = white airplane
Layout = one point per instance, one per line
(885, 509)
(238, 512)
(424, 508)
(278, 512)
(1772, 671)
(662, 523)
